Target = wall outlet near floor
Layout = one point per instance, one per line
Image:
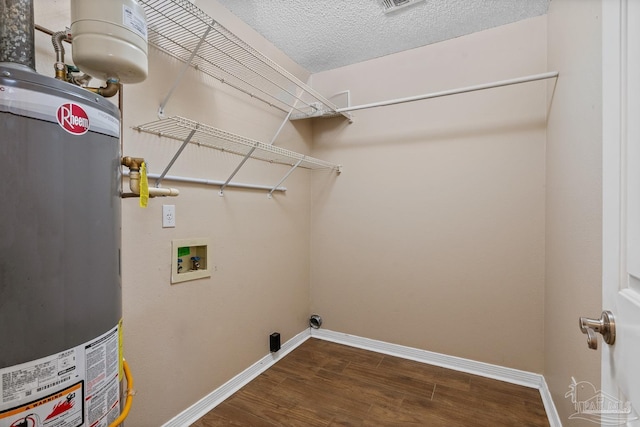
(168, 216)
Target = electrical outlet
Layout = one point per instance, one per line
(168, 216)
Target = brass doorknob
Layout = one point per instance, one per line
(605, 325)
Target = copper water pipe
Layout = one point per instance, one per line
(107, 91)
(133, 163)
(60, 67)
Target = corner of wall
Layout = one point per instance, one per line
(573, 248)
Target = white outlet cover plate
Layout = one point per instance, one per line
(168, 216)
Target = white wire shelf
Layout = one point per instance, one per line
(185, 32)
(183, 129)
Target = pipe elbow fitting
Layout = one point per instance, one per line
(134, 164)
(112, 88)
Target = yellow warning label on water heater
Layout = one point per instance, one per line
(144, 186)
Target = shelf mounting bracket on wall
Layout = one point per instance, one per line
(242, 162)
(284, 177)
(175, 157)
(178, 79)
(248, 155)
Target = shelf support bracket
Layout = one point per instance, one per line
(244, 160)
(285, 177)
(181, 75)
(248, 155)
(175, 157)
(284, 122)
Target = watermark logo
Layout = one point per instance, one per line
(597, 406)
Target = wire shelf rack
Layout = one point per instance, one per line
(183, 129)
(185, 32)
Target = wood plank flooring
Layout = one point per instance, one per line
(321, 383)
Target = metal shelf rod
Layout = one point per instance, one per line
(245, 48)
(532, 78)
(184, 69)
(284, 178)
(175, 157)
(211, 182)
(244, 160)
(248, 155)
(284, 122)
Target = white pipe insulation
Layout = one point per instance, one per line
(212, 182)
(134, 186)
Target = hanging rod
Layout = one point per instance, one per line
(212, 182)
(532, 78)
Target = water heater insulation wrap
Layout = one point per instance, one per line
(110, 39)
(60, 286)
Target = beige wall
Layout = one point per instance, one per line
(184, 341)
(433, 236)
(574, 196)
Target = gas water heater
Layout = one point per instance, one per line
(61, 361)
(60, 294)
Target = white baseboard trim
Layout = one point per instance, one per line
(216, 397)
(501, 373)
(549, 406)
(515, 376)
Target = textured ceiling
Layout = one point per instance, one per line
(322, 35)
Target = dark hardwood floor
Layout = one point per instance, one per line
(326, 384)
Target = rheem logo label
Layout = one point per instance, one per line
(73, 118)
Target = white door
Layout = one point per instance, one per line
(621, 210)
